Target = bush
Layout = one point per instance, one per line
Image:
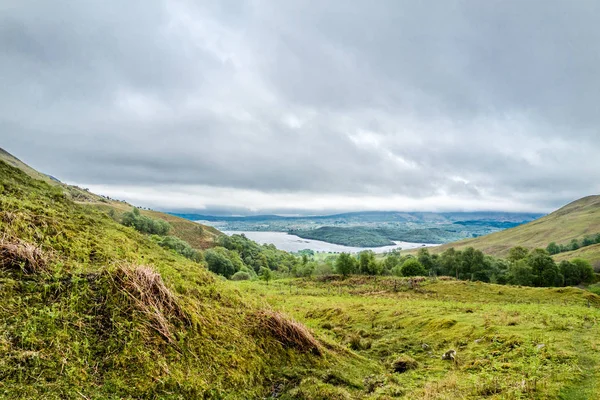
(179, 246)
(218, 262)
(144, 224)
(241, 276)
(412, 267)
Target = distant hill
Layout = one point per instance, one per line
(197, 235)
(374, 228)
(463, 218)
(573, 221)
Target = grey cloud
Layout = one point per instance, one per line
(465, 99)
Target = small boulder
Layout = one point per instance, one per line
(449, 355)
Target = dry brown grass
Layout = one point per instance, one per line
(17, 254)
(289, 333)
(151, 296)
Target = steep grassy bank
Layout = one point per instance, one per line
(510, 342)
(197, 235)
(93, 309)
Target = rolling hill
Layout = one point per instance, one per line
(573, 221)
(197, 235)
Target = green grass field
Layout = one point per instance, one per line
(511, 342)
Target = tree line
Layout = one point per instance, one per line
(521, 267)
(574, 244)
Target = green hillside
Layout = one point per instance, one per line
(198, 236)
(573, 221)
(93, 309)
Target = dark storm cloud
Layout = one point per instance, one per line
(340, 104)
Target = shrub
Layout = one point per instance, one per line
(241, 276)
(412, 267)
(144, 224)
(218, 262)
(179, 246)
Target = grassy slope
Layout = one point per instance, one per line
(573, 221)
(497, 331)
(198, 236)
(76, 330)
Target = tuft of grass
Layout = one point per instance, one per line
(403, 364)
(18, 254)
(151, 296)
(289, 333)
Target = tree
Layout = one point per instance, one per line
(588, 241)
(412, 267)
(390, 262)
(553, 248)
(520, 273)
(345, 264)
(219, 263)
(265, 274)
(517, 253)
(544, 269)
(425, 259)
(574, 245)
(576, 272)
(449, 262)
(367, 264)
(472, 262)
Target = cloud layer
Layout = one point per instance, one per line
(307, 106)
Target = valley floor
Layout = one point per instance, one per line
(510, 342)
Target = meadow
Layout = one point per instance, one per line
(510, 342)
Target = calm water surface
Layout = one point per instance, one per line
(293, 243)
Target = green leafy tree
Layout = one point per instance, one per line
(219, 263)
(390, 262)
(520, 273)
(517, 253)
(576, 272)
(265, 274)
(449, 262)
(367, 264)
(544, 269)
(345, 264)
(426, 259)
(412, 267)
(574, 244)
(553, 248)
(472, 262)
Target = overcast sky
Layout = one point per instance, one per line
(307, 106)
